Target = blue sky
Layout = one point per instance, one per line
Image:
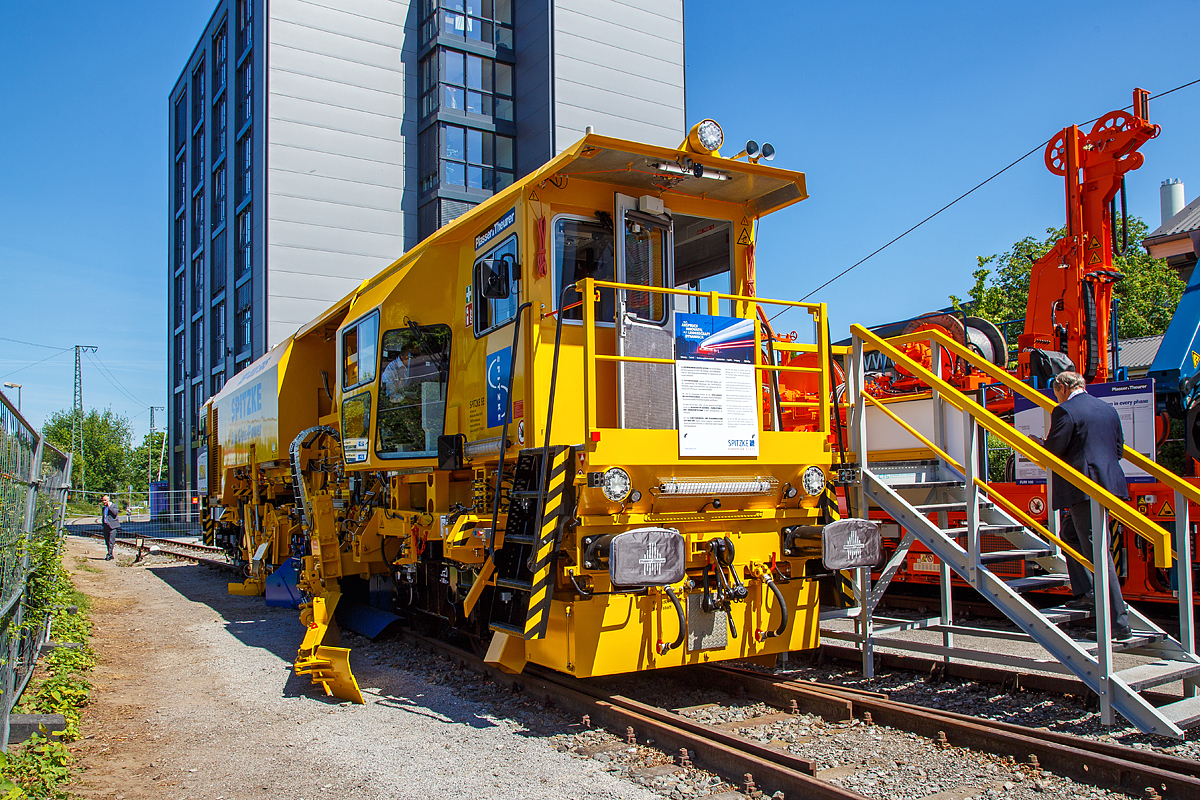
(892, 110)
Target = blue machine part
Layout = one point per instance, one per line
(364, 620)
(1178, 357)
(281, 586)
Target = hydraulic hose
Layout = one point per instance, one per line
(663, 647)
(764, 635)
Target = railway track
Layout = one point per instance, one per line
(198, 553)
(730, 751)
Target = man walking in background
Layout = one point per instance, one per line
(110, 523)
(1086, 433)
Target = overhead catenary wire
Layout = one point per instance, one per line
(35, 363)
(106, 373)
(32, 344)
(963, 196)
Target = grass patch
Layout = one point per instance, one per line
(42, 768)
(84, 564)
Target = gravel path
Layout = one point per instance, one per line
(195, 698)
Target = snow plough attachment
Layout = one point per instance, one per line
(328, 664)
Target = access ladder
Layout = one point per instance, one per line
(921, 495)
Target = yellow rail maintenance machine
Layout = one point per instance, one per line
(559, 426)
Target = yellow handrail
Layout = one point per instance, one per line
(1025, 519)
(1019, 442)
(1160, 473)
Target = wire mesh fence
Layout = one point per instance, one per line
(34, 481)
(157, 513)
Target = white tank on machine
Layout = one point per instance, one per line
(1170, 198)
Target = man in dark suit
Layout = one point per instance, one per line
(1086, 433)
(110, 523)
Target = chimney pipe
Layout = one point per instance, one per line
(1170, 198)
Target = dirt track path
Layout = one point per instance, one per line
(194, 698)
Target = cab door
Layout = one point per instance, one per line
(644, 320)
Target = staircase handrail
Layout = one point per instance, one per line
(1026, 520)
(1160, 473)
(1117, 508)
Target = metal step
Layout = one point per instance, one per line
(928, 508)
(1183, 713)
(1156, 673)
(999, 556)
(504, 627)
(531, 494)
(990, 530)
(1139, 639)
(900, 487)
(1060, 615)
(514, 584)
(517, 538)
(1038, 582)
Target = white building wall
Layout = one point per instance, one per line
(341, 150)
(619, 68)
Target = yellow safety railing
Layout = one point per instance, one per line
(745, 306)
(1012, 508)
(1160, 474)
(1117, 508)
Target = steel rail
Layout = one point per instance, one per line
(726, 754)
(200, 553)
(1100, 764)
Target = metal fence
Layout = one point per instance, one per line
(159, 513)
(34, 481)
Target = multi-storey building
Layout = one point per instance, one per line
(312, 143)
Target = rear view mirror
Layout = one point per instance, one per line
(494, 277)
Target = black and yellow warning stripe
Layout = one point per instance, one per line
(831, 512)
(538, 617)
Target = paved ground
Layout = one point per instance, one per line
(195, 698)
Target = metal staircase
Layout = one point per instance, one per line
(921, 496)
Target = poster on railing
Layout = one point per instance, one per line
(715, 386)
(1134, 402)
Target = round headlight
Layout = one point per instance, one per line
(814, 481)
(616, 484)
(710, 134)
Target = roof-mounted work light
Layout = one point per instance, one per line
(705, 138)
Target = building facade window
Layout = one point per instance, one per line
(180, 244)
(218, 197)
(180, 300)
(245, 155)
(198, 157)
(180, 362)
(218, 335)
(198, 229)
(244, 245)
(220, 50)
(245, 23)
(197, 403)
(198, 93)
(218, 381)
(487, 21)
(476, 159)
(220, 115)
(198, 347)
(180, 180)
(198, 296)
(218, 263)
(181, 118)
(242, 317)
(427, 159)
(476, 85)
(179, 432)
(245, 92)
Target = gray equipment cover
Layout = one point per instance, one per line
(646, 557)
(850, 543)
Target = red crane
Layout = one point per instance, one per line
(1070, 287)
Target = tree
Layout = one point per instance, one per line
(1148, 292)
(106, 447)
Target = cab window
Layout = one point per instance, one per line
(583, 248)
(412, 391)
(358, 351)
(491, 313)
(356, 424)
